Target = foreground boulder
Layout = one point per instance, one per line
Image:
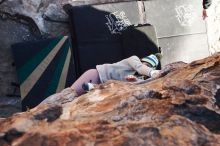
(180, 108)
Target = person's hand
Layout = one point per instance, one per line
(155, 74)
(131, 78)
(204, 14)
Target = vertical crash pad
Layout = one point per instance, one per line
(100, 33)
(43, 67)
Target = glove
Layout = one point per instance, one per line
(155, 73)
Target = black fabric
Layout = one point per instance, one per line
(91, 54)
(48, 82)
(105, 34)
(24, 51)
(39, 91)
(140, 41)
(97, 42)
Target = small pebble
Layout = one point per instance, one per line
(123, 104)
(143, 95)
(2, 134)
(116, 118)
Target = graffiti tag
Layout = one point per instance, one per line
(185, 15)
(117, 22)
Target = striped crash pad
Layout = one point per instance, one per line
(43, 68)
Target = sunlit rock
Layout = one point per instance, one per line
(180, 108)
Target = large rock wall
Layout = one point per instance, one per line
(35, 9)
(180, 108)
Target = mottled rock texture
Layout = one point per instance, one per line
(38, 9)
(180, 108)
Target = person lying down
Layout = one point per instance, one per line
(132, 69)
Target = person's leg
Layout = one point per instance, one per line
(91, 75)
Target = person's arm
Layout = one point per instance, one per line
(206, 4)
(138, 66)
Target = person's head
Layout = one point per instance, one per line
(152, 60)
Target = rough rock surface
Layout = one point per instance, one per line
(37, 9)
(180, 108)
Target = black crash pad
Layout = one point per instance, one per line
(140, 40)
(105, 21)
(43, 68)
(101, 34)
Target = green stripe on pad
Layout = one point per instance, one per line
(57, 74)
(28, 67)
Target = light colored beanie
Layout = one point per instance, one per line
(151, 60)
